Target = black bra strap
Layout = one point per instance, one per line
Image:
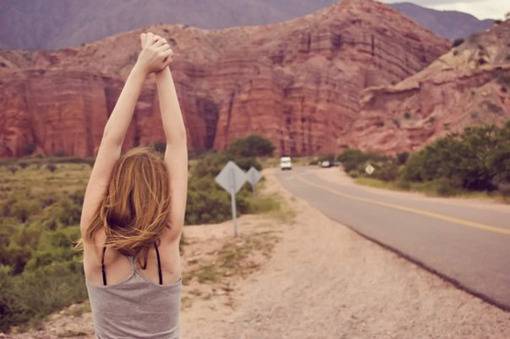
(103, 271)
(102, 266)
(159, 265)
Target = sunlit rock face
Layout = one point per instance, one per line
(469, 85)
(298, 83)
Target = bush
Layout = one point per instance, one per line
(62, 213)
(251, 146)
(354, 159)
(402, 158)
(207, 202)
(474, 157)
(51, 167)
(24, 209)
(388, 171)
(62, 283)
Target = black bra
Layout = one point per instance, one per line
(144, 267)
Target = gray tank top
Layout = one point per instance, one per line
(135, 307)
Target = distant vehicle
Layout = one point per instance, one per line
(325, 164)
(285, 163)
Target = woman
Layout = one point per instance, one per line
(133, 214)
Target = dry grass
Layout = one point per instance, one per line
(431, 189)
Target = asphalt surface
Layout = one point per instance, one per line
(465, 242)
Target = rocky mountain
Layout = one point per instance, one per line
(469, 85)
(42, 24)
(297, 82)
(448, 24)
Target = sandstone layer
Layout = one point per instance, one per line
(470, 85)
(297, 82)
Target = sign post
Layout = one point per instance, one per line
(231, 179)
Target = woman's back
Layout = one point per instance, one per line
(128, 301)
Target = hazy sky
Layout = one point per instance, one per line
(482, 9)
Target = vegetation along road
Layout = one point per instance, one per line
(464, 241)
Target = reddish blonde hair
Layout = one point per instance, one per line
(136, 206)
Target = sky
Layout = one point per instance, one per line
(482, 9)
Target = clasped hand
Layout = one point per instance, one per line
(156, 53)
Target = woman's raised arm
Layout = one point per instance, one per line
(151, 59)
(176, 154)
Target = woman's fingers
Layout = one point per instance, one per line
(160, 42)
(156, 52)
(143, 39)
(163, 48)
(153, 39)
(167, 52)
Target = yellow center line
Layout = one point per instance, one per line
(439, 216)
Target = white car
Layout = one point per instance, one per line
(285, 163)
(325, 164)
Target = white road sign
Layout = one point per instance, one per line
(369, 169)
(253, 176)
(231, 176)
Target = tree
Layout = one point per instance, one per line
(251, 146)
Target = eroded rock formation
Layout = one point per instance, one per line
(470, 85)
(298, 82)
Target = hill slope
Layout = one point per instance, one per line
(448, 24)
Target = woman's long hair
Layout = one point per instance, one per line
(136, 206)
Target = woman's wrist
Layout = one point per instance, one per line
(163, 73)
(139, 69)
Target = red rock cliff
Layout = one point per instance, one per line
(297, 82)
(470, 85)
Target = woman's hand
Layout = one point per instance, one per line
(156, 53)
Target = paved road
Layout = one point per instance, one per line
(465, 242)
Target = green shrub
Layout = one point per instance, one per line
(251, 146)
(402, 158)
(387, 171)
(474, 158)
(354, 159)
(24, 209)
(207, 202)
